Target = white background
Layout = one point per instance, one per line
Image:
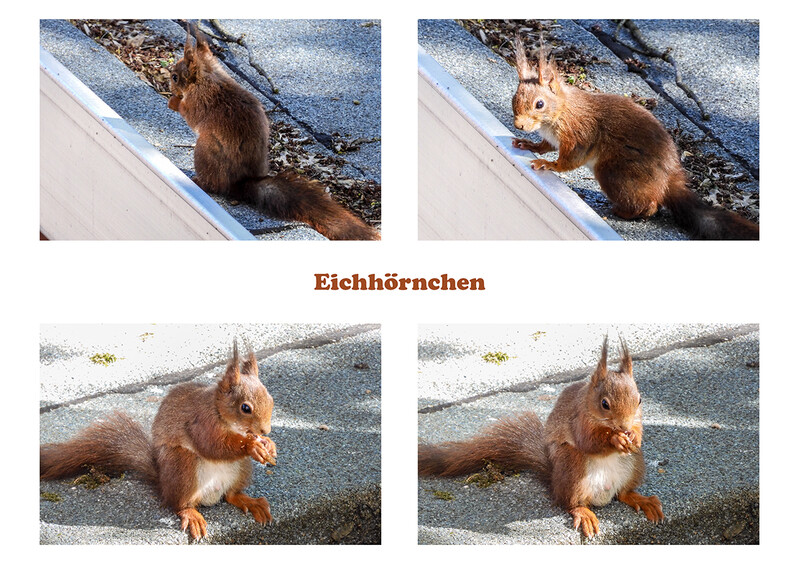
(527, 282)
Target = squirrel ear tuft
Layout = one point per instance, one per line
(232, 375)
(602, 365)
(626, 361)
(188, 50)
(188, 43)
(523, 65)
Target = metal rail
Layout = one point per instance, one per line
(100, 179)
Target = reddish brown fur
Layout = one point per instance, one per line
(231, 155)
(516, 442)
(116, 443)
(634, 159)
(194, 424)
(578, 429)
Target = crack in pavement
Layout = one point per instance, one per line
(655, 85)
(326, 338)
(324, 139)
(580, 374)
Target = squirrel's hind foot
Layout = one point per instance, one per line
(650, 505)
(192, 520)
(586, 520)
(258, 507)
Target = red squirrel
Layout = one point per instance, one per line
(630, 153)
(231, 155)
(202, 440)
(588, 451)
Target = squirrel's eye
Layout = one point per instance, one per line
(175, 77)
(539, 104)
(640, 401)
(604, 403)
(246, 408)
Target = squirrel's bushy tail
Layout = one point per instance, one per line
(114, 444)
(702, 220)
(516, 442)
(289, 196)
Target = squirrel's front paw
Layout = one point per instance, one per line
(524, 144)
(272, 449)
(541, 164)
(257, 449)
(174, 102)
(623, 441)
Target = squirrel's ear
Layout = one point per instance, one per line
(523, 65)
(602, 365)
(202, 42)
(548, 72)
(188, 51)
(548, 76)
(625, 362)
(250, 365)
(232, 374)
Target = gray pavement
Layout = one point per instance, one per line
(720, 59)
(326, 383)
(700, 390)
(320, 68)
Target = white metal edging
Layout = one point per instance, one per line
(100, 179)
(474, 185)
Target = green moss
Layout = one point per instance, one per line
(51, 496)
(92, 479)
(490, 474)
(495, 357)
(443, 495)
(103, 358)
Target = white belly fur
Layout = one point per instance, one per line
(605, 476)
(549, 135)
(214, 479)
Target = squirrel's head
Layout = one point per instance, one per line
(540, 92)
(614, 398)
(195, 58)
(242, 400)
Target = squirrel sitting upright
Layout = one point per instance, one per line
(202, 440)
(631, 155)
(231, 155)
(588, 451)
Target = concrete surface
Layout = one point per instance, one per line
(700, 391)
(719, 59)
(325, 380)
(319, 67)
